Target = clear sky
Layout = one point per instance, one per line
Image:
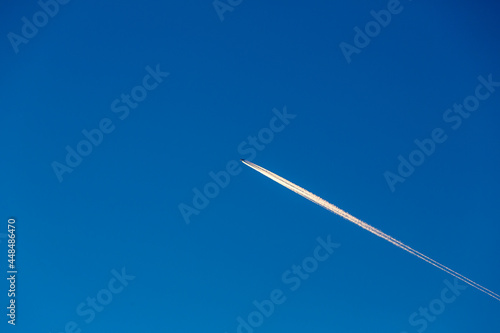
(122, 128)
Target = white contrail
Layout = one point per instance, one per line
(325, 204)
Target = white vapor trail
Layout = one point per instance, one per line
(331, 207)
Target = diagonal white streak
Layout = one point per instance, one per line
(331, 207)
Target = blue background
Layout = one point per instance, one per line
(120, 206)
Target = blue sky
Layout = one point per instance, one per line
(115, 228)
